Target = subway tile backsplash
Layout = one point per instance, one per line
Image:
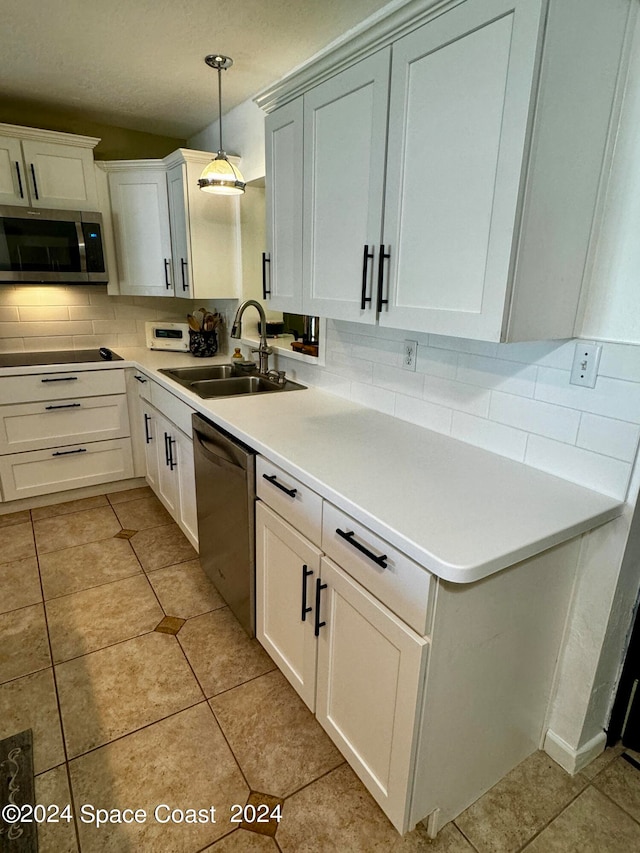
(512, 399)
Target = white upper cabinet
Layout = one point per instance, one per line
(171, 238)
(40, 168)
(283, 262)
(500, 116)
(140, 213)
(345, 124)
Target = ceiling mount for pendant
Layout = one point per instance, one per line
(220, 176)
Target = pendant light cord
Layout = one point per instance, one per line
(220, 105)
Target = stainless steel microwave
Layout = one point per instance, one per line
(40, 246)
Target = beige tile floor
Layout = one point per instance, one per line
(125, 715)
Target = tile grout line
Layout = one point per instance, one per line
(539, 832)
(615, 803)
(55, 687)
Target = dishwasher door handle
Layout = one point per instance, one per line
(216, 454)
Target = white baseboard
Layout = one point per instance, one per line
(573, 760)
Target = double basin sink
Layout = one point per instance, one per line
(223, 380)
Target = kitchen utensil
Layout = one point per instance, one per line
(193, 323)
(198, 316)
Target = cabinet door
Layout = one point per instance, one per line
(140, 211)
(188, 513)
(151, 445)
(213, 235)
(283, 144)
(178, 216)
(287, 565)
(168, 490)
(370, 672)
(460, 98)
(13, 177)
(60, 175)
(345, 122)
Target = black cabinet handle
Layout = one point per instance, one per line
(63, 406)
(183, 264)
(140, 379)
(172, 462)
(167, 264)
(61, 379)
(365, 275)
(266, 260)
(19, 179)
(166, 449)
(318, 624)
(68, 452)
(384, 256)
(147, 436)
(306, 573)
(35, 183)
(379, 561)
(272, 479)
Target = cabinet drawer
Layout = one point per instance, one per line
(62, 385)
(175, 410)
(302, 509)
(404, 586)
(42, 472)
(30, 426)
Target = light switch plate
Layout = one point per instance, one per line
(585, 364)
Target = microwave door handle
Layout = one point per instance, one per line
(81, 246)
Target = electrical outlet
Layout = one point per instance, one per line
(585, 364)
(409, 355)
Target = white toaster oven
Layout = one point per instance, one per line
(163, 334)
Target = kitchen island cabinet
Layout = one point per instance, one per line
(499, 123)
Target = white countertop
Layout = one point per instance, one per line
(460, 511)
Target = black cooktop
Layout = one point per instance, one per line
(70, 356)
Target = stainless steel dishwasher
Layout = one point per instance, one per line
(225, 491)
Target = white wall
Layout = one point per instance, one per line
(242, 134)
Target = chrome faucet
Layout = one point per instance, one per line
(264, 350)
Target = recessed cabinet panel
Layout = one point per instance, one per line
(12, 172)
(141, 223)
(345, 123)
(60, 175)
(370, 674)
(283, 143)
(287, 566)
(460, 94)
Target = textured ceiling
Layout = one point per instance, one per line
(138, 64)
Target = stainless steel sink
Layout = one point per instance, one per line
(187, 375)
(219, 380)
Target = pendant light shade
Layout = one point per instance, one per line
(220, 176)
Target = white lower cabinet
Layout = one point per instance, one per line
(169, 455)
(433, 691)
(351, 660)
(369, 683)
(63, 430)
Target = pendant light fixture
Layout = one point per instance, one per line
(220, 176)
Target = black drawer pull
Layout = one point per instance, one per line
(306, 573)
(35, 183)
(147, 436)
(166, 449)
(384, 256)
(167, 263)
(172, 462)
(365, 276)
(19, 179)
(61, 379)
(140, 379)
(68, 452)
(266, 260)
(272, 479)
(379, 561)
(183, 264)
(318, 624)
(63, 406)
